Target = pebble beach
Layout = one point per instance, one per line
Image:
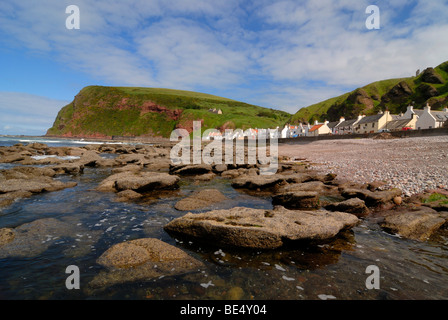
(411, 164)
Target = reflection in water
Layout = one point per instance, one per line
(86, 223)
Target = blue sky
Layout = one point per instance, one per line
(277, 54)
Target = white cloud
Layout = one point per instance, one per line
(220, 45)
(22, 113)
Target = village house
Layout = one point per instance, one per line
(290, 131)
(402, 123)
(334, 126)
(319, 129)
(348, 126)
(431, 119)
(427, 118)
(375, 123)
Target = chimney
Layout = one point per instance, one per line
(316, 123)
(326, 122)
(411, 109)
(445, 109)
(428, 107)
(341, 120)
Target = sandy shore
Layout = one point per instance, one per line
(411, 164)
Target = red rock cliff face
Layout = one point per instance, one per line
(149, 106)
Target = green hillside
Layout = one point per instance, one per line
(430, 86)
(126, 111)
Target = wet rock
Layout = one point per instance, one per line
(129, 167)
(314, 186)
(11, 158)
(69, 168)
(231, 174)
(355, 206)
(372, 198)
(90, 158)
(127, 195)
(205, 177)
(219, 168)
(31, 239)
(139, 182)
(34, 186)
(6, 236)
(159, 164)
(235, 293)
(147, 181)
(258, 182)
(137, 159)
(27, 172)
(297, 200)
(418, 223)
(201, 199)
(8, 198)
(258, 228)
(194, 169)
(142, 260)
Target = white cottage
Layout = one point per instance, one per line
(431, 119)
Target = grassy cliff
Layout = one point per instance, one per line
(126, 111)
(430, 86)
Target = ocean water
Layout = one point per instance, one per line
(51, 142)
(88, 222)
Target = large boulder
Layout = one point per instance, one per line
(314, 186)
(372, 199)
(253, 182)
(354, 206)
(418, 224)
(193, 169)
(259, 228)
(200, 199)
(34, 238)
(44, 184)
(142, 260)
(297, 200)
(69, 168)
(139, 181)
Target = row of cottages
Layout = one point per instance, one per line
(412, 119)
(426, 118)
(246, 134)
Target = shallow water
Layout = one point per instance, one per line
(92, 221)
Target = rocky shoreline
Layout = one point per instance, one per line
(308, 204)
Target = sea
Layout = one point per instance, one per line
(364, 263)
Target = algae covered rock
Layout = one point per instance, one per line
(142, 260)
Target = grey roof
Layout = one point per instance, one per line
(398, 124)
(347, 123)
(440, 115)
(333, 124)
(418, 112)
(371, 119)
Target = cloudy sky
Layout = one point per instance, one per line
(277, 54)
